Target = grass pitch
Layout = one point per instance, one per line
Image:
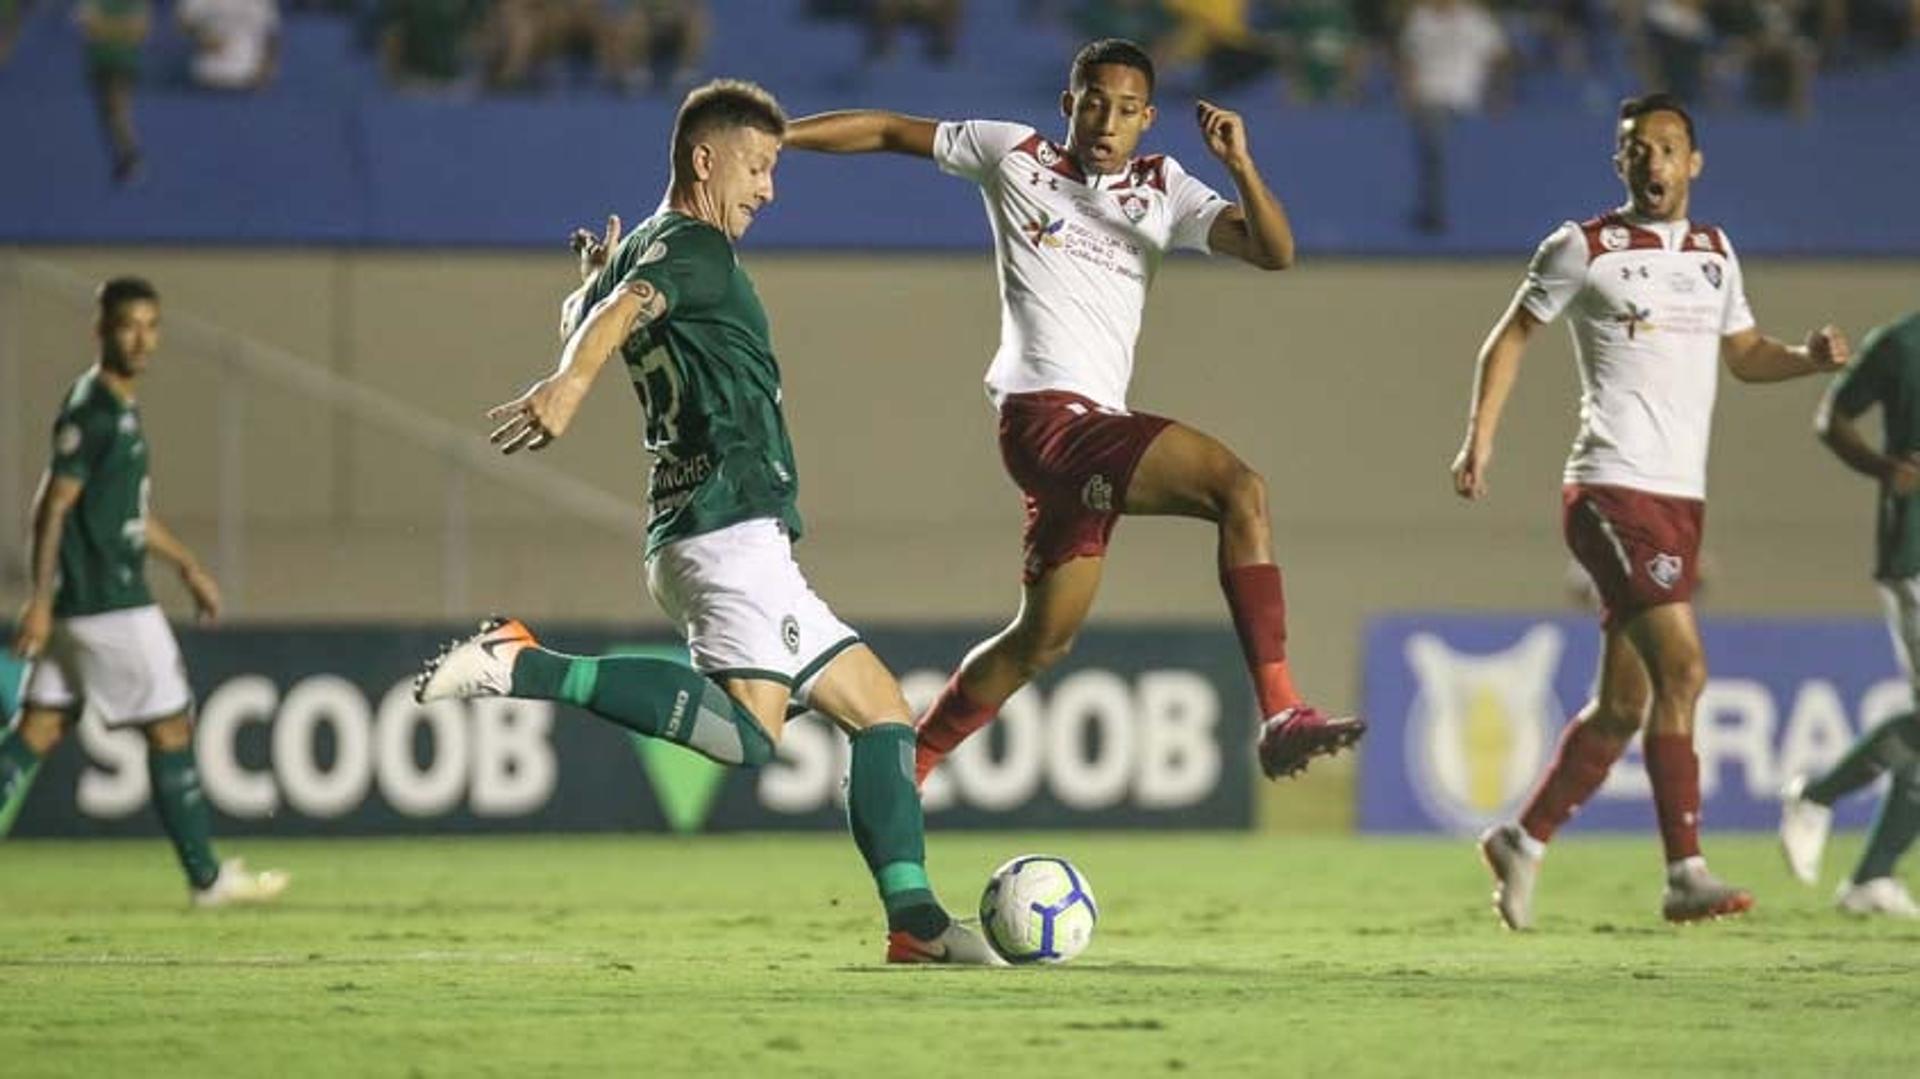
(719, 956)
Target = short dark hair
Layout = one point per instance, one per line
(1634, 108)
(720, 105)
(1109, 50)
(116, 291)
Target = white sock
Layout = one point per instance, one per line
(1676, 870)
(1531, 847)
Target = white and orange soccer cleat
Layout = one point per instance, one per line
(959, 945)
(479, 666)
(237, 884)
(1694, 894)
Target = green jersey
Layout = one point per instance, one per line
(1887, 373)
(103, 547)
(707, 381)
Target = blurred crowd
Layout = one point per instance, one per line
(1439, 59)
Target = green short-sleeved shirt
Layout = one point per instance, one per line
(708, 383)
(1887, 373)
(97, 440)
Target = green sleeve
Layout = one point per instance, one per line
(78, 442)
(691, 267)
(1864, 383)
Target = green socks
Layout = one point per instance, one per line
(883, 810)
(18, 762)
(1894, 829)
(654, 697)
(183, 813)
(1890, 745)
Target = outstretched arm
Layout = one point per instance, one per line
(1255, 230)
(1493, 378)
(1754, 357)
(540, 415)
(863, 131)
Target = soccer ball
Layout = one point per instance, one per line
(1038, 909)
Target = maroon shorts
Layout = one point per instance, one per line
(1641, 549)
(1073, 460)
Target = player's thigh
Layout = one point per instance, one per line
(857, 691)
(1624, 692)
(1185, 473)
(1055, 606)
(765, 700)
(1667, 638)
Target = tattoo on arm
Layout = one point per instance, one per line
(651, 308)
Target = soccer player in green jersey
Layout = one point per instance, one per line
(1887, 375)
(674, 301)
(97, 639)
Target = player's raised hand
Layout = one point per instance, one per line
(1470, 470)
(534, 419)
(594, 251)
(205, 591)
(1224, 130)
(36, 623)
(1827, 347)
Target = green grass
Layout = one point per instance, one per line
(1216, 955)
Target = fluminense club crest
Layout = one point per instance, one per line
(1665, 569)
(1712, 270)
(1133, 206)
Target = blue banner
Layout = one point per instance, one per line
(1466, 710)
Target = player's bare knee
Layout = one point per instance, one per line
(1679, 678)
(1619, 717)
(1035, 653)
(170, 735)
(42, 730)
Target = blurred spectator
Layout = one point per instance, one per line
(1765, 38)
(12, 13)
(1219, 36)
(514, 37)
(1450, 51)
(235, 42)
(424, 44)
(938, 20)
(1323, 44)
(1674, 38)
(1144, 22)
(658, 42)
(114, 32)
(1882, 26)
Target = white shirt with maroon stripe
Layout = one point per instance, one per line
(1647, 302)
(1076, 253)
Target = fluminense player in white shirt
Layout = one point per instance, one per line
(1080, 230)
(1656, 302)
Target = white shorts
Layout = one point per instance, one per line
(123, 664)
(745, 608)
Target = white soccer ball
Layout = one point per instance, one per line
(1038, 909)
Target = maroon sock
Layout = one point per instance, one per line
(1675, 770)
(948, 723)
(1259, 605)
(1579, 767)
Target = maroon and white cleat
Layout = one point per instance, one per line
(1299, 734)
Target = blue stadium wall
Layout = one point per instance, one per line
(328, 156)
